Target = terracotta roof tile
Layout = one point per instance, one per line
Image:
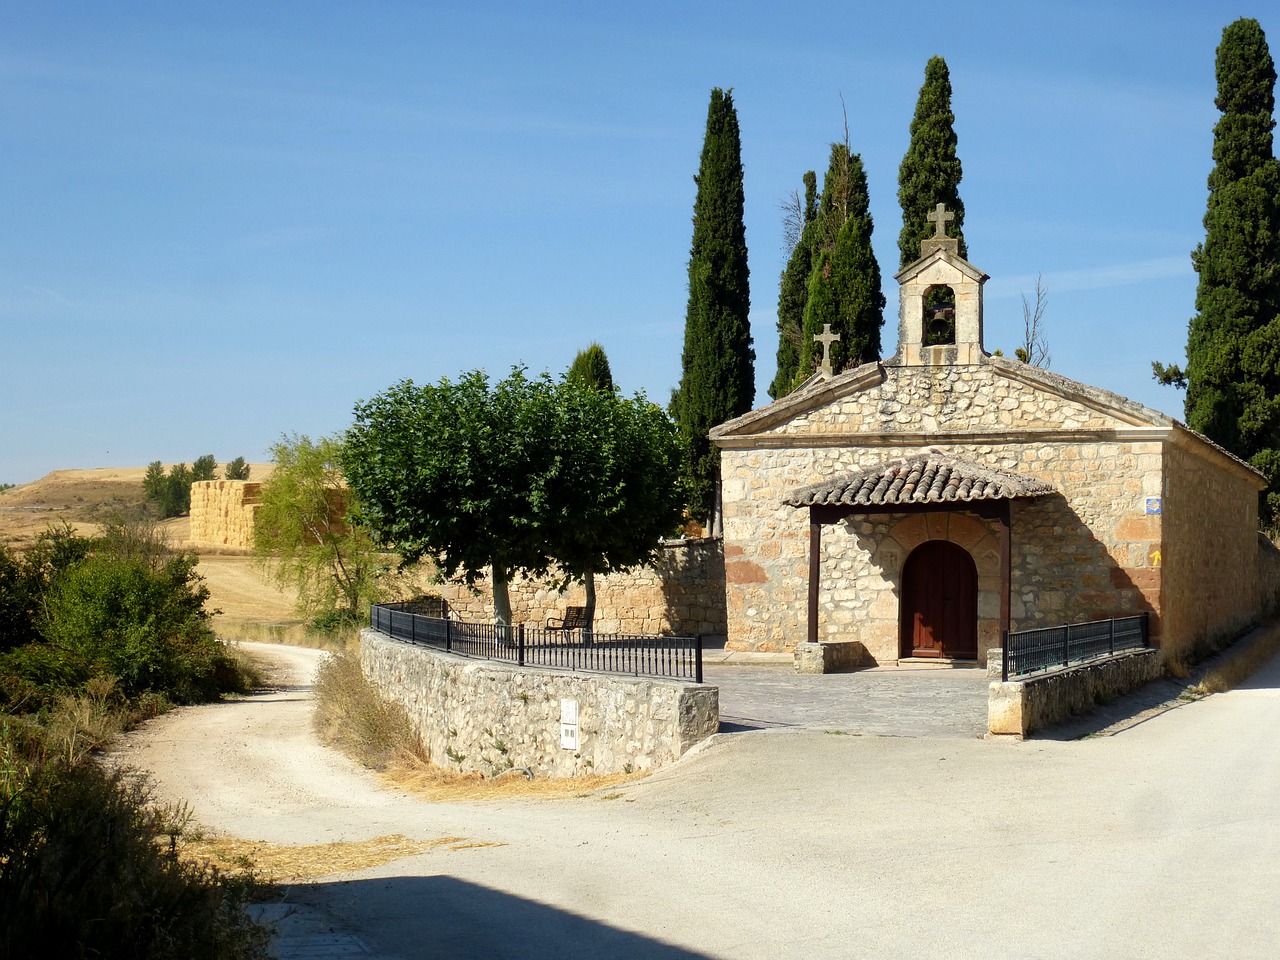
(926, 478)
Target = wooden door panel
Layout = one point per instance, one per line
(940, 602)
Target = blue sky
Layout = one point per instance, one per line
(222, 223)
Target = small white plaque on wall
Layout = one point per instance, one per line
(568, 724)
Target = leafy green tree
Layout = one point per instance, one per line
(1232, 375)
(793, 288)
(616, 489)
(237, 469)
(517, 476)
(844, 287)
(176, 499)
(204, 468)
(171, 492)
(457, 471)
(303, 537)
(153, 481)
(717, 379)
(591, 367)
(930, 172)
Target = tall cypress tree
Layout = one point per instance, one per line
(591, 367)
(930, 172)
(717, 381)
(793, 293)
(844, 285)
(1233, 341)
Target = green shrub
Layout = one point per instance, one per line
(85, 871)
(140, 619)
(24, 579)
(45, 666)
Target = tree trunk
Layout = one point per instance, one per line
(501, 598)
(589, 613)
(715, 527)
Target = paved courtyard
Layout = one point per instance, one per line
(885, 701)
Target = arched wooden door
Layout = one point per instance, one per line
(939, 602)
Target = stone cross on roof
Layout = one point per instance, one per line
(826, 338)
(940, 217)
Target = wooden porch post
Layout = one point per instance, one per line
(815, 568)
(1006, 572)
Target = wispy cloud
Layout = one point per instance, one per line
(29, 299)
(1093, 278)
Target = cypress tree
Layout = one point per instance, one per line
(793, 293)
(717, 379)
(844, 286)
(1233, 341)
(591, 367)
(930, 172)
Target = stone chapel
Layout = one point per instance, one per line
(974, 494)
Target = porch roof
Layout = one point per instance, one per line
(924, 478)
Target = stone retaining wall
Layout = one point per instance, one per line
(1020, 707)
(681, 593)
(478, 715)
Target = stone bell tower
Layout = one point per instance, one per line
(940, 303)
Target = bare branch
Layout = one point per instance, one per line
(1035, 342)
(792, 221)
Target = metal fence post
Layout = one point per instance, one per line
(1004, 656)
(1111, 637)
(1066, 644)
(698, 665)
(448, 634)
(520, 645)
(413, 628)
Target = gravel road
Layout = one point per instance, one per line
(1161, 841)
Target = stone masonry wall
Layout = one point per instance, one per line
(1020, 707)
(681, 593)
(1090, 551)
(222, 512)
(933, 399)
(1209, 555)
(481, 716)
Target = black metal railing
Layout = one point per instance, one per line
(1049, 648)
(641, 656)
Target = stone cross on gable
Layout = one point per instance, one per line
(940, 217)
(826, 338)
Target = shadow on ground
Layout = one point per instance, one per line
(412, 917)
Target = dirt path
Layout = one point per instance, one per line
(1159, 842)
(252, 767)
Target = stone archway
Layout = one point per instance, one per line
(979, 539)
(939, 608)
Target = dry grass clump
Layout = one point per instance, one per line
(434, 783)
(354, 717)
(293, 634)
(277, 863)
(1242, 665)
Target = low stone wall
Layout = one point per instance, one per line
(831, 657)
(478, 715)
(222, 512)
(681, 593)
(1020, 707)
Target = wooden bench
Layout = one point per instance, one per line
(575, 618)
